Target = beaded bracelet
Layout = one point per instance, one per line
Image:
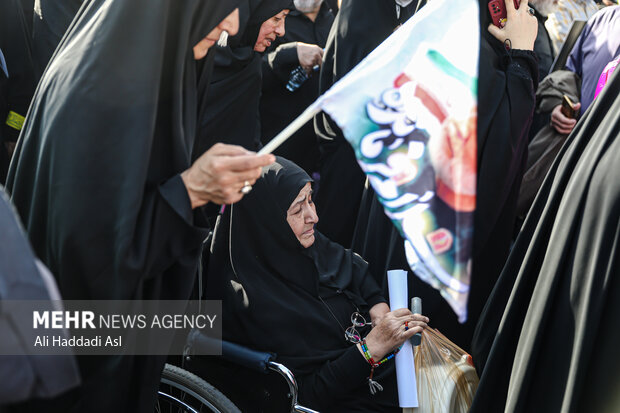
(369, 358)
(375, 386)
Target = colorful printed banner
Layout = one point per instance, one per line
(409, 110)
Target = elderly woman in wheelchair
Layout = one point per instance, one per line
(287, 289)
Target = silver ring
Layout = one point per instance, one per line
(531, 11)
(246, 188)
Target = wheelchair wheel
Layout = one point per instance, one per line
(182, 391)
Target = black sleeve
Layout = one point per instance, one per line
(525, 64)
(166, 220)
(365, 283)
(283, 60)
(163, 238)
(506, 107)
(174, 192)
(333, 380)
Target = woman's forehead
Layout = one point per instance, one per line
(307, 188)
(303, 193)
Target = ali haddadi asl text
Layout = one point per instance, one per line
(78, 341)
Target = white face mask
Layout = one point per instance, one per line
(307, 6)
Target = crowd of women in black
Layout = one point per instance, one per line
(130, 122)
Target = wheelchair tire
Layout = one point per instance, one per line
(182, 391)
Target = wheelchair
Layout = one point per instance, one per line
(242, 380)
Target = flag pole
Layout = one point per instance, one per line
(287, 132)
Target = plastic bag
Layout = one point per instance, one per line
(445, 374)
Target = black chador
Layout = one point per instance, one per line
(96, 179)
(232, 114)
(51, 20)
(548, 337)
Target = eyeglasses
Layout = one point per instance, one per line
(351, 334)
(357, 321)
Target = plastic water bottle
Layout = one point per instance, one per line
(298, 77)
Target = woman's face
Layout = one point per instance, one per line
(270, 30)
(301, 216)
(230, 24)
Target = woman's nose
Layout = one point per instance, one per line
(311, 216)
(231, 23)
(280, 28)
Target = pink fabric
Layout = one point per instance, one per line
(606, 75)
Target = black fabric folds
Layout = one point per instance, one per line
(359, 27)
(95, 176)
(28, 7)
(548, 337)
(507, 82)
(106, 188)
(273, 290)
(51, 20)
(232, 113)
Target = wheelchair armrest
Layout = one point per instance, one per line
(253, 359)
(235, 353)
(259, 361)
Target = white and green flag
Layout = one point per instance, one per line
(409, 110)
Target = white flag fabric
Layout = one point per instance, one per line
(409, 110)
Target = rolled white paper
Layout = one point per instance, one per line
(405, 368)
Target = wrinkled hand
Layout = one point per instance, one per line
(309, 55)
(389, 332)
(561, 123)
(220, 173)
(521, 27)
(377, 312)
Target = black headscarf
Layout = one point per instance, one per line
(232, 115)
(261, 10)
(271, 284)
(548, 337)
(96, 174)
(240, 48)
(506, 85)
(101, 140)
